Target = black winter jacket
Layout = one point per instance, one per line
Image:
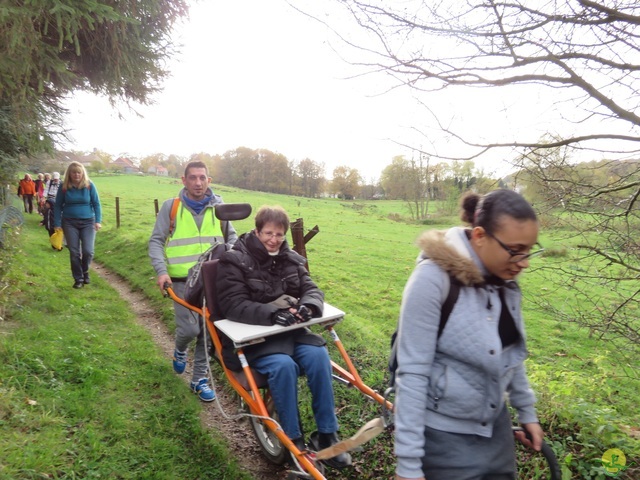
(248, 278)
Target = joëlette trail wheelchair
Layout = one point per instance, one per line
(252, 387)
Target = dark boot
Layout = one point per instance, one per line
(300, 445)
(320, 441)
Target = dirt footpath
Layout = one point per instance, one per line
(239, 434)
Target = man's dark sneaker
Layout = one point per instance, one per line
(320, 441)
(300, 445)
(87, 280)
(78, 284)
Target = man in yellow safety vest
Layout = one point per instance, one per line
(185, 228)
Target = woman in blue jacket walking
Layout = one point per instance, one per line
(77, 211)
(451, 421)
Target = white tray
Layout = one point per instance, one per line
(244, 334)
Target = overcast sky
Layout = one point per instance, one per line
(256, 74)
(259, 74)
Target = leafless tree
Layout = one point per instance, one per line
(409, 180)
(584, 53)
(581, 59)
(593, 278)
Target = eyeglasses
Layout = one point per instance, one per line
(278, 236)
(517, 257)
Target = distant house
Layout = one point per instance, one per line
(84, 159)
(158, 170)
(124, 165)
(59, 160)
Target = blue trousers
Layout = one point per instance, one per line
(80, 235)
(282, 373)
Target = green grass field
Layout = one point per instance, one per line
(84, 391)
(361, 258)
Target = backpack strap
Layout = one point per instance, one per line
(447, 306)
(172, 215)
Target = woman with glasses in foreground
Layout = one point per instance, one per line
(451, 420)
(261, 281)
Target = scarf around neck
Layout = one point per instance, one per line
(198, 205)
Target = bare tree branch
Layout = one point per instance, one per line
(578, 46)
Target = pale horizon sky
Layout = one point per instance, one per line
(259, 74)
(256, 74)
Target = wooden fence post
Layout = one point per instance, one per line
(117, 212)
(300, 239)
(297, 236)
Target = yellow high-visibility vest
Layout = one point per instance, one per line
(187, 242)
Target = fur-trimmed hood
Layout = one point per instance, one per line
(451, 251)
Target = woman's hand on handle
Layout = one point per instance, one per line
(532, 436)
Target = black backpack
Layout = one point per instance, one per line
(194, 285)
(447, 306)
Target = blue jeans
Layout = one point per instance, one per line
(80, 234)
(282, 373)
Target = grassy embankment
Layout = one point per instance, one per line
(362, 259)
(84, 391)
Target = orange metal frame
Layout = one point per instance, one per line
(253, 397)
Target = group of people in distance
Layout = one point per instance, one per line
(41, 192)
(48, 199)
(451, 419)
(71, 205)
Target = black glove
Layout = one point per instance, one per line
(284, 318)
(305, 312)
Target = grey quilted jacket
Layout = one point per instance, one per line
(456, 383)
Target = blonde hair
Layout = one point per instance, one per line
(84, 181)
